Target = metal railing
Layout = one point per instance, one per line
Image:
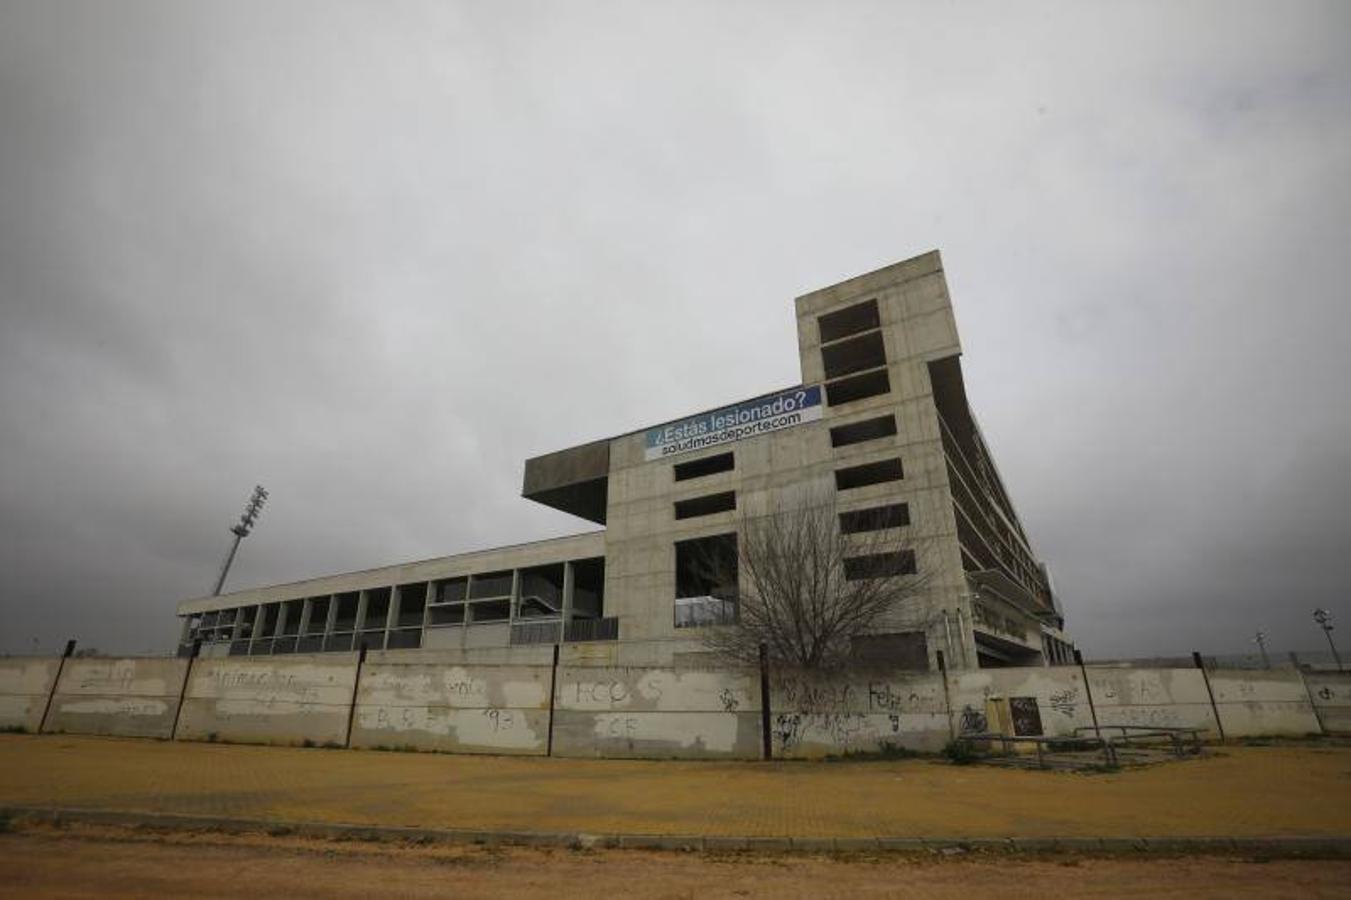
(592, 630)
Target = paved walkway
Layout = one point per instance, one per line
(1236, 792)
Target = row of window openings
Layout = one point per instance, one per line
(452, 601)
(707, 567)
(840, 436)
(843, 358)
(994, 621)
(848, 478)
(1057, 652)
(998, 536)
(853, 354)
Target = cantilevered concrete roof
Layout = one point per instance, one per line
(573, 480)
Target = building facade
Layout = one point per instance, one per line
(880, 426)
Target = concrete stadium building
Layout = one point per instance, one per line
(880, 421)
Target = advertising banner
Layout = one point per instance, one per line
(732, 423)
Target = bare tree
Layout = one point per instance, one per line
(805, 585)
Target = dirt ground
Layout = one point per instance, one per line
(1238, 791)
(87, 861)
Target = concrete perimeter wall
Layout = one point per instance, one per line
(402, 701)
(1172, 698)
(277, 700)
(657, 713)
(1250, 703)
(25, 685)
(457, 709)
(818, 715)
(1264, 701)
(135, 697)
(1331, 693)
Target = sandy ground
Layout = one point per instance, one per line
(102, 862)
(1236, 791)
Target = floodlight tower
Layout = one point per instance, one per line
(241, 531)
(1261, 641)
(1324, 620)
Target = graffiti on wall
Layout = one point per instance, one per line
(973, 721)
(1026, 716)
(845, 730)
(1065, 702)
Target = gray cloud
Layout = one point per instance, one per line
(375, 256)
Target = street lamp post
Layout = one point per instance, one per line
(241, 531)
(1324, 620)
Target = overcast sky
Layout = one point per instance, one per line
(375, 255)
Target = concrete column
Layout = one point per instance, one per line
(306, 610)
(396, 599)
(258, 617)
(569, 586)
(966, 638)
(186, 630)
(392, 613)
(281, 621)
(360, 622)
(427, 605)
(515, 594)
(464, 623)
(239, 625)
(332, 614)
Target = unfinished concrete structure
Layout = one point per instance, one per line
(880, 422)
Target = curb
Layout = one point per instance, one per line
(1282, 847)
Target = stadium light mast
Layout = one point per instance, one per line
(241, 531)
(1324, 620)
(1261, 641)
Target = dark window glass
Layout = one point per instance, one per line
(880, 565)
(707, 567)
(346, 618)
(404, 639)
(490, 611)
(269, 620)
(857, 387)
(893, 515)
(377, 609)
(588, 588)
(412, 600)
(854, 355)
(318, 616)
(850, 320)
(291, 625)
(451, 589)
(490, 584)
(448, 615)
(869, 473)
(336, 642)
(709, 465)
(541, 592)
(858, 432)
(705, 506)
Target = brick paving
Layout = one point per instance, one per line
(1291, 790)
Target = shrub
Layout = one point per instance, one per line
(960, 753)
(885, 750)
